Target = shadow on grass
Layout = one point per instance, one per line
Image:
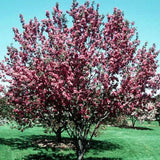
(103, 158)
(137, 128)
(104, 145)
(41, 143)
(46, 156)
(43, 156)
(16, 143)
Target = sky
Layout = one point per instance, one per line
(145, 14)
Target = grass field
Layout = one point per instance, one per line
(113, 143)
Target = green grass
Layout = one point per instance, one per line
(112, 144)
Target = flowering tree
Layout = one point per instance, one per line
(158, 109)
(72, 76)
(149, 113)
(139, 84)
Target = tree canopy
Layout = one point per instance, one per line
(72, 78)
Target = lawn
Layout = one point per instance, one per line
(113, 143)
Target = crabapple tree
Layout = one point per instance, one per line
(73, 77)
(140, 84)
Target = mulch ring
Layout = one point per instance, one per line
(65, 144)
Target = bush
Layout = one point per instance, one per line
(5, 111)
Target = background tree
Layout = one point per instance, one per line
(5, 111)
(158, 108)
(140, 84)
(149, 113)
(74, 76)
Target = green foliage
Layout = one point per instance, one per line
(5, 109)
(120, 120)
(158, 110)
(158, 116)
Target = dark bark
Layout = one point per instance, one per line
(59, 135)
(80, 149)
(133, 121)
(133, 124)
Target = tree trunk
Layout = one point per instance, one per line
(80, 156)
(58, 135)
(149, 121)
(133, 121)
(133, 124)
(80, 149)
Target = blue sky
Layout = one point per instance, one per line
(145, 14)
